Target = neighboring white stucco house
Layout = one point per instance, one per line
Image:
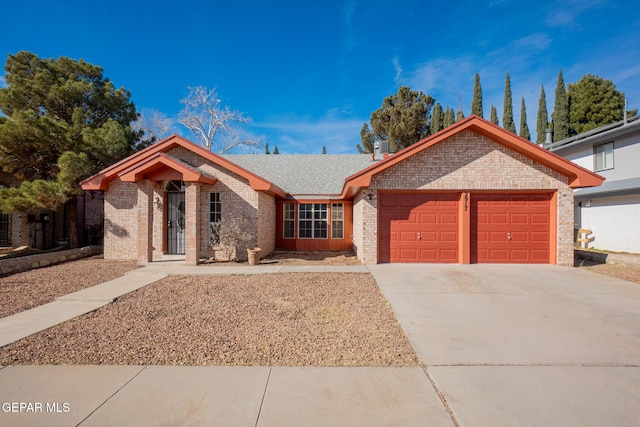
(611, 211)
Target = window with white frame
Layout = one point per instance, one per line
(603, 156)
(215, 215)
(312, 221)
(289, 219)
(337, 221)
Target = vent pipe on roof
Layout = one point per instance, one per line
(548, 138)
(380, 148)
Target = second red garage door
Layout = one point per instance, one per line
(418, 227)
(510, 228)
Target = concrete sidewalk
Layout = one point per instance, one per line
(219, 395)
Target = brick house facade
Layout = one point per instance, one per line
(303, 202)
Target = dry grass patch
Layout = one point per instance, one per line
(295, 319)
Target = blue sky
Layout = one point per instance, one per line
(310, 73)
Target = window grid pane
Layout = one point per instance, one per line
(313, 222)
(603, 156)
(215, 216)
(337, 221)
(289, 229)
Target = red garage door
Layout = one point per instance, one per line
(418, 227)
(510, 228)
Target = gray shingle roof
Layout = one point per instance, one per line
(304, 173)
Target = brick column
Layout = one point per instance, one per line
(464, 228)
(192, 223)
(145, 221)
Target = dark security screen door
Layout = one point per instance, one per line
(175, 223)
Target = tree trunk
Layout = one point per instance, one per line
(72, 221)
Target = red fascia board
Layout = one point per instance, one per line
(161, 160)
(101, 180)
(578, 176)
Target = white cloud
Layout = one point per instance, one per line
(294, 134)
(396, 65)
(565, 13)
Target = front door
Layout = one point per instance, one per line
(175, 223)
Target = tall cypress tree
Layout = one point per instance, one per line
(524, 127)
(324, 149)
(266, 149)
(459, 114)
(476, 104)
(494, 116)
(449, 118)
(437, 117)
(507, 113)
(275, 150)
(560, 116)
(543, 118)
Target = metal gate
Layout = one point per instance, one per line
(4, 229)
(175, 223)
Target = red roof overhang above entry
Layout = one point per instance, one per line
(161, 167)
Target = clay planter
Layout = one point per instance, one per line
(253, 255)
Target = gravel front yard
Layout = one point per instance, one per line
(294, 319)
(22, 291)
(625, 272)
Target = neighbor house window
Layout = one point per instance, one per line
(312, 221)
(337, 221)
(215, 215)
(603, 156)
(289, 217)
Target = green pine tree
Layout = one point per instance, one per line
(437, 117)
(324, 149)
(266, 149)
(476, 104)
(62, 120)
(459, 114)
(507, 112)
(542, 123)
(593, 102)
(449, 117)
(275, 150)
(494, 115)
(560, 115)
(524, 127)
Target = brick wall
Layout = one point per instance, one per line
(266, 224)
(124, 217)
(466, 161)
(238, 200)
(19, 229)
(121, 221)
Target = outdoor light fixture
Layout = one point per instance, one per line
(371, 195)
(157, 202)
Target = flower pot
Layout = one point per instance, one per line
(253, 255)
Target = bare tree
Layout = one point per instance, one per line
(155, 125)
(216, 127)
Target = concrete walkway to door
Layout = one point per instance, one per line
(523, 344)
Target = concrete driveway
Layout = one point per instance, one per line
(523, 345)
